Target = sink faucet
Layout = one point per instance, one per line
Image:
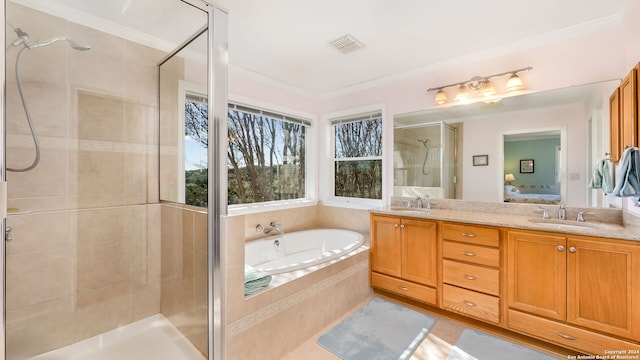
(419, 202)
(562, 212)
(545, 213)
(274, 227)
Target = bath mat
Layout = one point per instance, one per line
(476, 345)
(380, 330)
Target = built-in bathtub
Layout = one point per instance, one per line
(300, 249)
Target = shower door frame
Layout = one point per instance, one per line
(3, 187)
(217, 65)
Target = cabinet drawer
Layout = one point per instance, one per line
(471, 277)
(471, 303)
(471, 234)
(565, 335)
(471, 253)
(405, 288)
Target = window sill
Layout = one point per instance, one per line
(353, 204)
(243, 209)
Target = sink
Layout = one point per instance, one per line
(563, 224)
(419, 211)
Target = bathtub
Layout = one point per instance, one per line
(300, 249)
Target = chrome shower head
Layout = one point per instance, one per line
(74, 45)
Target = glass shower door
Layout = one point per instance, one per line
(87, 255)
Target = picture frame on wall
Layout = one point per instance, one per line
(480, 160)
(526, 166)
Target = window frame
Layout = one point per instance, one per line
(311, 174)
(329, 197)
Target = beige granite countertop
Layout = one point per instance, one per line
(529, 218)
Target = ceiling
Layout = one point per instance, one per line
(288, 40)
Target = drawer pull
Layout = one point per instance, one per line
(469, 277)
(469, 234)
(469, 303)
(568, 337)
(468, 253)
(403, 288)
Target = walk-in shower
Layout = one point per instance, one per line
(24, 41)
(95, 254)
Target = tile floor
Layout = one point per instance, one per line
(436, 346)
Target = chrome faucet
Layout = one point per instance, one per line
(545, 213)
(562, 212)
(274, 227)
(419, 202)
(580, 217)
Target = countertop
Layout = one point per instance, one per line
(519, 221)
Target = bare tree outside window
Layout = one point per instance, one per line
(266, 157)
(358, 158)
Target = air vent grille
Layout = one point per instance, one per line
(347, 44)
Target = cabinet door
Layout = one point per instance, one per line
(386, 245)
(615, 143)
(536, 274)
(419, 251)
(602, 285)
(629, 110)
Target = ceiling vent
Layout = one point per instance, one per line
(346, 44)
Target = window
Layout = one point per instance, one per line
(266, 156)
(357, 156)
(195, 149)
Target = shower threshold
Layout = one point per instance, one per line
(153, 338)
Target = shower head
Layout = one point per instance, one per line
(23, 37)
(74, 44)
(20, 33)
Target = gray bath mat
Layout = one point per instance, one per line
(380, 330)
(475, 345)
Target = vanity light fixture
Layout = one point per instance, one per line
(509, 178)
(482, 86)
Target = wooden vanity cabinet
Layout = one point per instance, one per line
(623, 109)
(403, 256)
(579, 283)
(471, 271)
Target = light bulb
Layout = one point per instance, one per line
(441, 97)
(487, 89)
(463, 94)
(514, 83)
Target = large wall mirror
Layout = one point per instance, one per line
(534, 148)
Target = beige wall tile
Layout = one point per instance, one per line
(100, 117)
(102, 310)
(45, 232)
(343, 218)
(49, 179)
(35, 278)
(39, 328)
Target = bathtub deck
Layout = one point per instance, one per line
(153, 338)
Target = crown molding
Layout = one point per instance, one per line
(97, 23)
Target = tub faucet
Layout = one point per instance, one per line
(274, 227)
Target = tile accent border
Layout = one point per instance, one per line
(281, 305)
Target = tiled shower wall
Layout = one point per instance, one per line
(86, 245)
(185, 271)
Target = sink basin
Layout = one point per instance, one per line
(563, 224)
(419, 211)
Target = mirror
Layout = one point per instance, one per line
(577, 117)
